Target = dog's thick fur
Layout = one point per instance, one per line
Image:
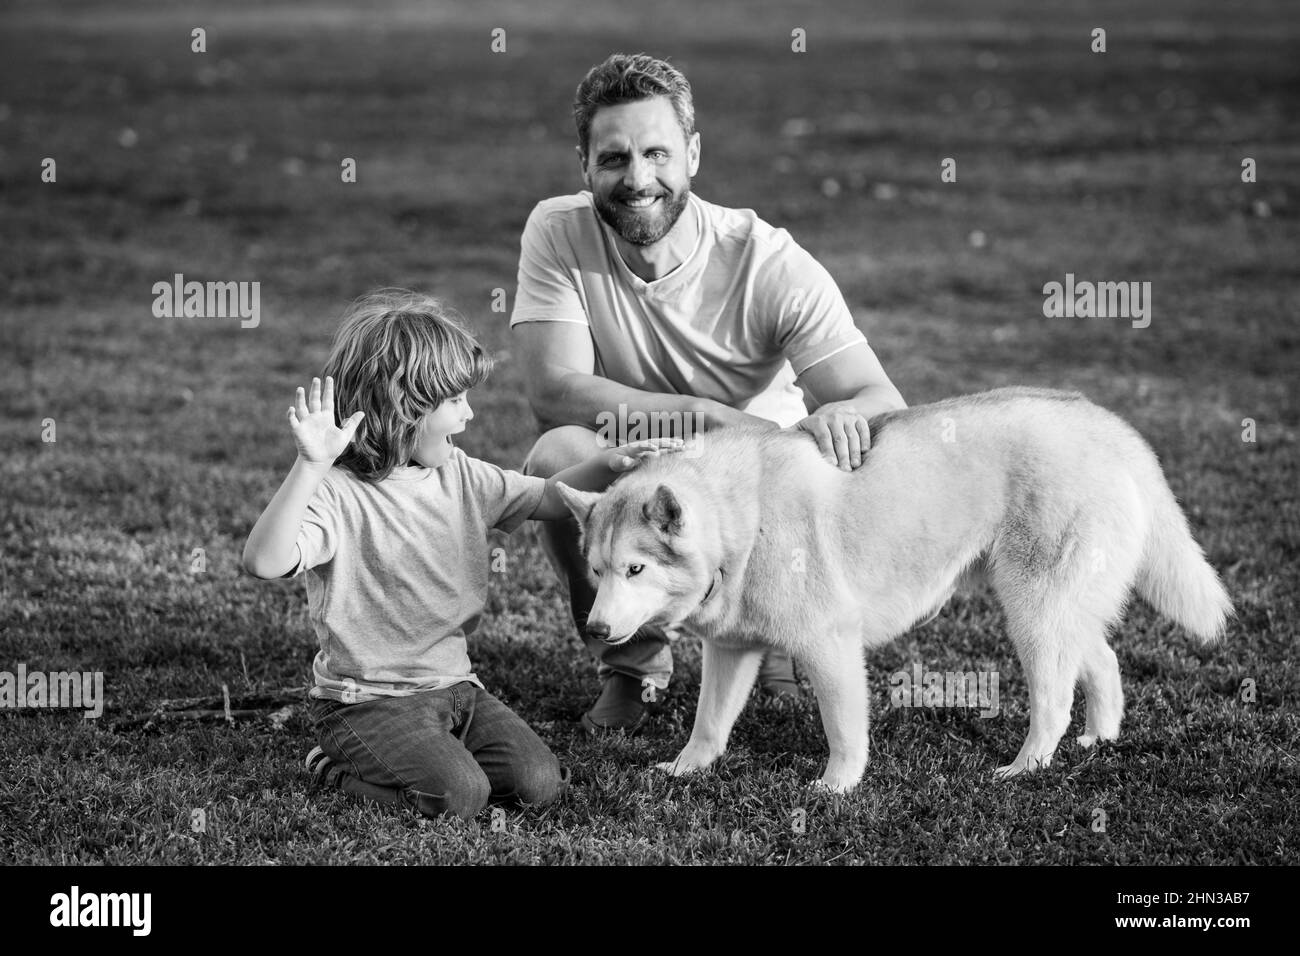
(757, 541)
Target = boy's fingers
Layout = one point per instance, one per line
(658, 444)
(313, 403)
(327, 397)
(300, 400)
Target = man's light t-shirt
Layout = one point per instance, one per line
(397, 572)
(736, 322)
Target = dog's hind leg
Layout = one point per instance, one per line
(727, 675)
(1099, 675)
(836, 670)
(1058, 621)
(1049, 656)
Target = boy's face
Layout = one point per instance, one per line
(433, 443)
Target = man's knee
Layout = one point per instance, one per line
(559, 448)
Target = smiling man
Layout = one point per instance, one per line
(638, 298)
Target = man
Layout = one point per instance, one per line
(636, 296)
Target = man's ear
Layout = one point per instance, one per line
(579, 502)
(693, 154)
(582, 163)
(664, 511)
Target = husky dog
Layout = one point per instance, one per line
(756, 541)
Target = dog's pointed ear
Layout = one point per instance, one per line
(579, 502)
(664, 511)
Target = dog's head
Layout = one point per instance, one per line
(642, 544)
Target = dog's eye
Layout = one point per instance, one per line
(634, 569)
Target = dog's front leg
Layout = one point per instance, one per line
(727, 675)
(836, 671)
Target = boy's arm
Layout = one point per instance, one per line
(596, 473)
(272, 547)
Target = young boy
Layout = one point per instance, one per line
(388, 520)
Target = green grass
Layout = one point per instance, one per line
(170, 435)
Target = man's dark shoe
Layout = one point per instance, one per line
(620, 706)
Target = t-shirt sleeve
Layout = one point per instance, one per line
(318, 535)
(812, 320)
(507, 498)
(547, 291)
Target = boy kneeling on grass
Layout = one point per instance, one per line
(388, 519)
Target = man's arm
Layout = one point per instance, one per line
(563, 389)
(849, 388)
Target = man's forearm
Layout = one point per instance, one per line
(576, 398)
(875, 399)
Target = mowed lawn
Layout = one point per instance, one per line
(170, 433)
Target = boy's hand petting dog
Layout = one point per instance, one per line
(628, 457)
(319, 440)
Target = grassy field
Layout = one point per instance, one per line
(170, 433)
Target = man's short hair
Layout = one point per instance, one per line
(626, 78)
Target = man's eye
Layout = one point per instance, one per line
(658, 155)
(634, 569)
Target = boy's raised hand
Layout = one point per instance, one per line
(627, 457)
(319, 440)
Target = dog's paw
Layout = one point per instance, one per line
(1090, 738)
(822, 785)
(692, 758)
(677, 768)
(1022, 765)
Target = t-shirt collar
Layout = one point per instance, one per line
(665, 284)
(420, 472)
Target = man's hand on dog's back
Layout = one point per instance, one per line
(842, 433)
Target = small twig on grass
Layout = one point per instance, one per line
(276, 706)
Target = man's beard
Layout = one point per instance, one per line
(638, 229)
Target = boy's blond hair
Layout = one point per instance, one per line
(397, 356)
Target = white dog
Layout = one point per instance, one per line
(756, 541)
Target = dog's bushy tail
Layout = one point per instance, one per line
(1174, 575)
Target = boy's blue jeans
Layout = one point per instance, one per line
(445, 751)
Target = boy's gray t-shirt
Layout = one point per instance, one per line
(397, 572)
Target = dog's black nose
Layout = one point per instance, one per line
(599, 631)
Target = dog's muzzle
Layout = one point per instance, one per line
(601, 633)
